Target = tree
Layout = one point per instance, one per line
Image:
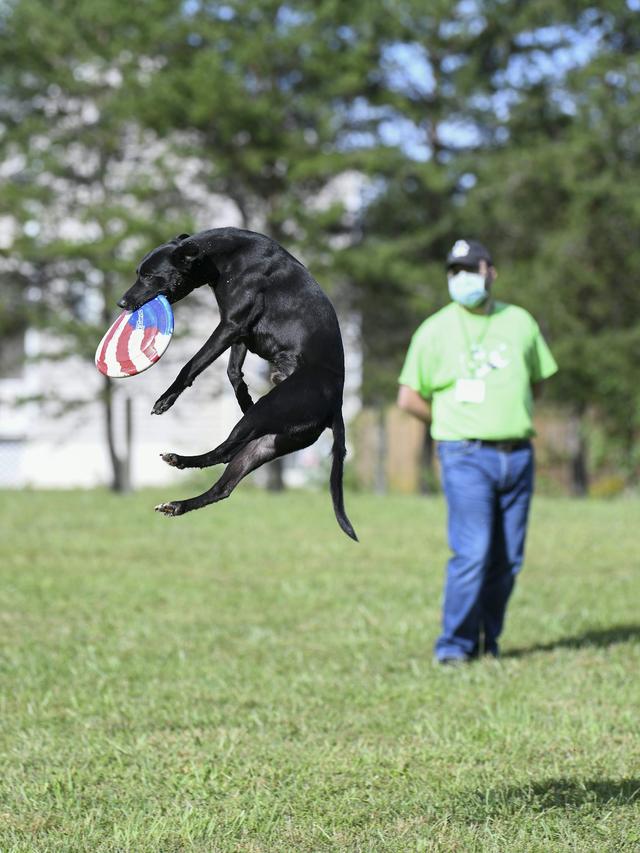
(106, 107)
(518, 122)
(559, 193)
(442, 73)
(83, 191)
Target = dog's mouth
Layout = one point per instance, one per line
(132, 304)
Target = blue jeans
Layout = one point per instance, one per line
(488, 493)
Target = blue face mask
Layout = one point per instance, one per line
(467, 288)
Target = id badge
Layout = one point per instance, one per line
(470, 390)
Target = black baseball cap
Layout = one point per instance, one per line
(468, 253)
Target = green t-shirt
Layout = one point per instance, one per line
(478, 370)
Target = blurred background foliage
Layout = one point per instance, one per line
(513, 122)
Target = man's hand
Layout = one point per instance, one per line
(410, 401)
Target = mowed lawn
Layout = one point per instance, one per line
(246, 678)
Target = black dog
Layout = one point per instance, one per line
(269, 304)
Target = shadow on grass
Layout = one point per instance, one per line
(549, 795)
(600, 639)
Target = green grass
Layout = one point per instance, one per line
(248, 679)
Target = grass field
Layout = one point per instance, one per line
(248, 679)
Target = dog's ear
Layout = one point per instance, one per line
(185, 253)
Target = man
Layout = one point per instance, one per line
(479, 362)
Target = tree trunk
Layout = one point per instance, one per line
(127, 485)
(274, 476)
(631, 441)
(428, 482)
(380, 473)
(120, 465)
(578, 467)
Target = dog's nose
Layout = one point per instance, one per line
(123, 304)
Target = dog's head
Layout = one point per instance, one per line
(172, 270)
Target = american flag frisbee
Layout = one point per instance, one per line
(136, 340)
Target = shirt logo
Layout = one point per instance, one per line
(481, 362)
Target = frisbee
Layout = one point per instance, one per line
(136, 340)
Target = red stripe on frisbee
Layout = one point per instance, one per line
(122, 351)
(102, 363)
(147, 343)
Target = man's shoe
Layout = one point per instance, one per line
(453, 660)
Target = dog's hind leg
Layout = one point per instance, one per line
(293, 407)
(240, 437)
(223, 453)
(255, 453)
(245, 431)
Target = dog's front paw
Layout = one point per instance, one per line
(172, 459)
(171, 509)
(163, 404)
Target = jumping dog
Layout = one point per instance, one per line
(271, 305)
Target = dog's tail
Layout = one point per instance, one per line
(339, 452)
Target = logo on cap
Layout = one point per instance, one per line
(460, 249)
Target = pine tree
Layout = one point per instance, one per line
(112, 112)
(559, 194)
